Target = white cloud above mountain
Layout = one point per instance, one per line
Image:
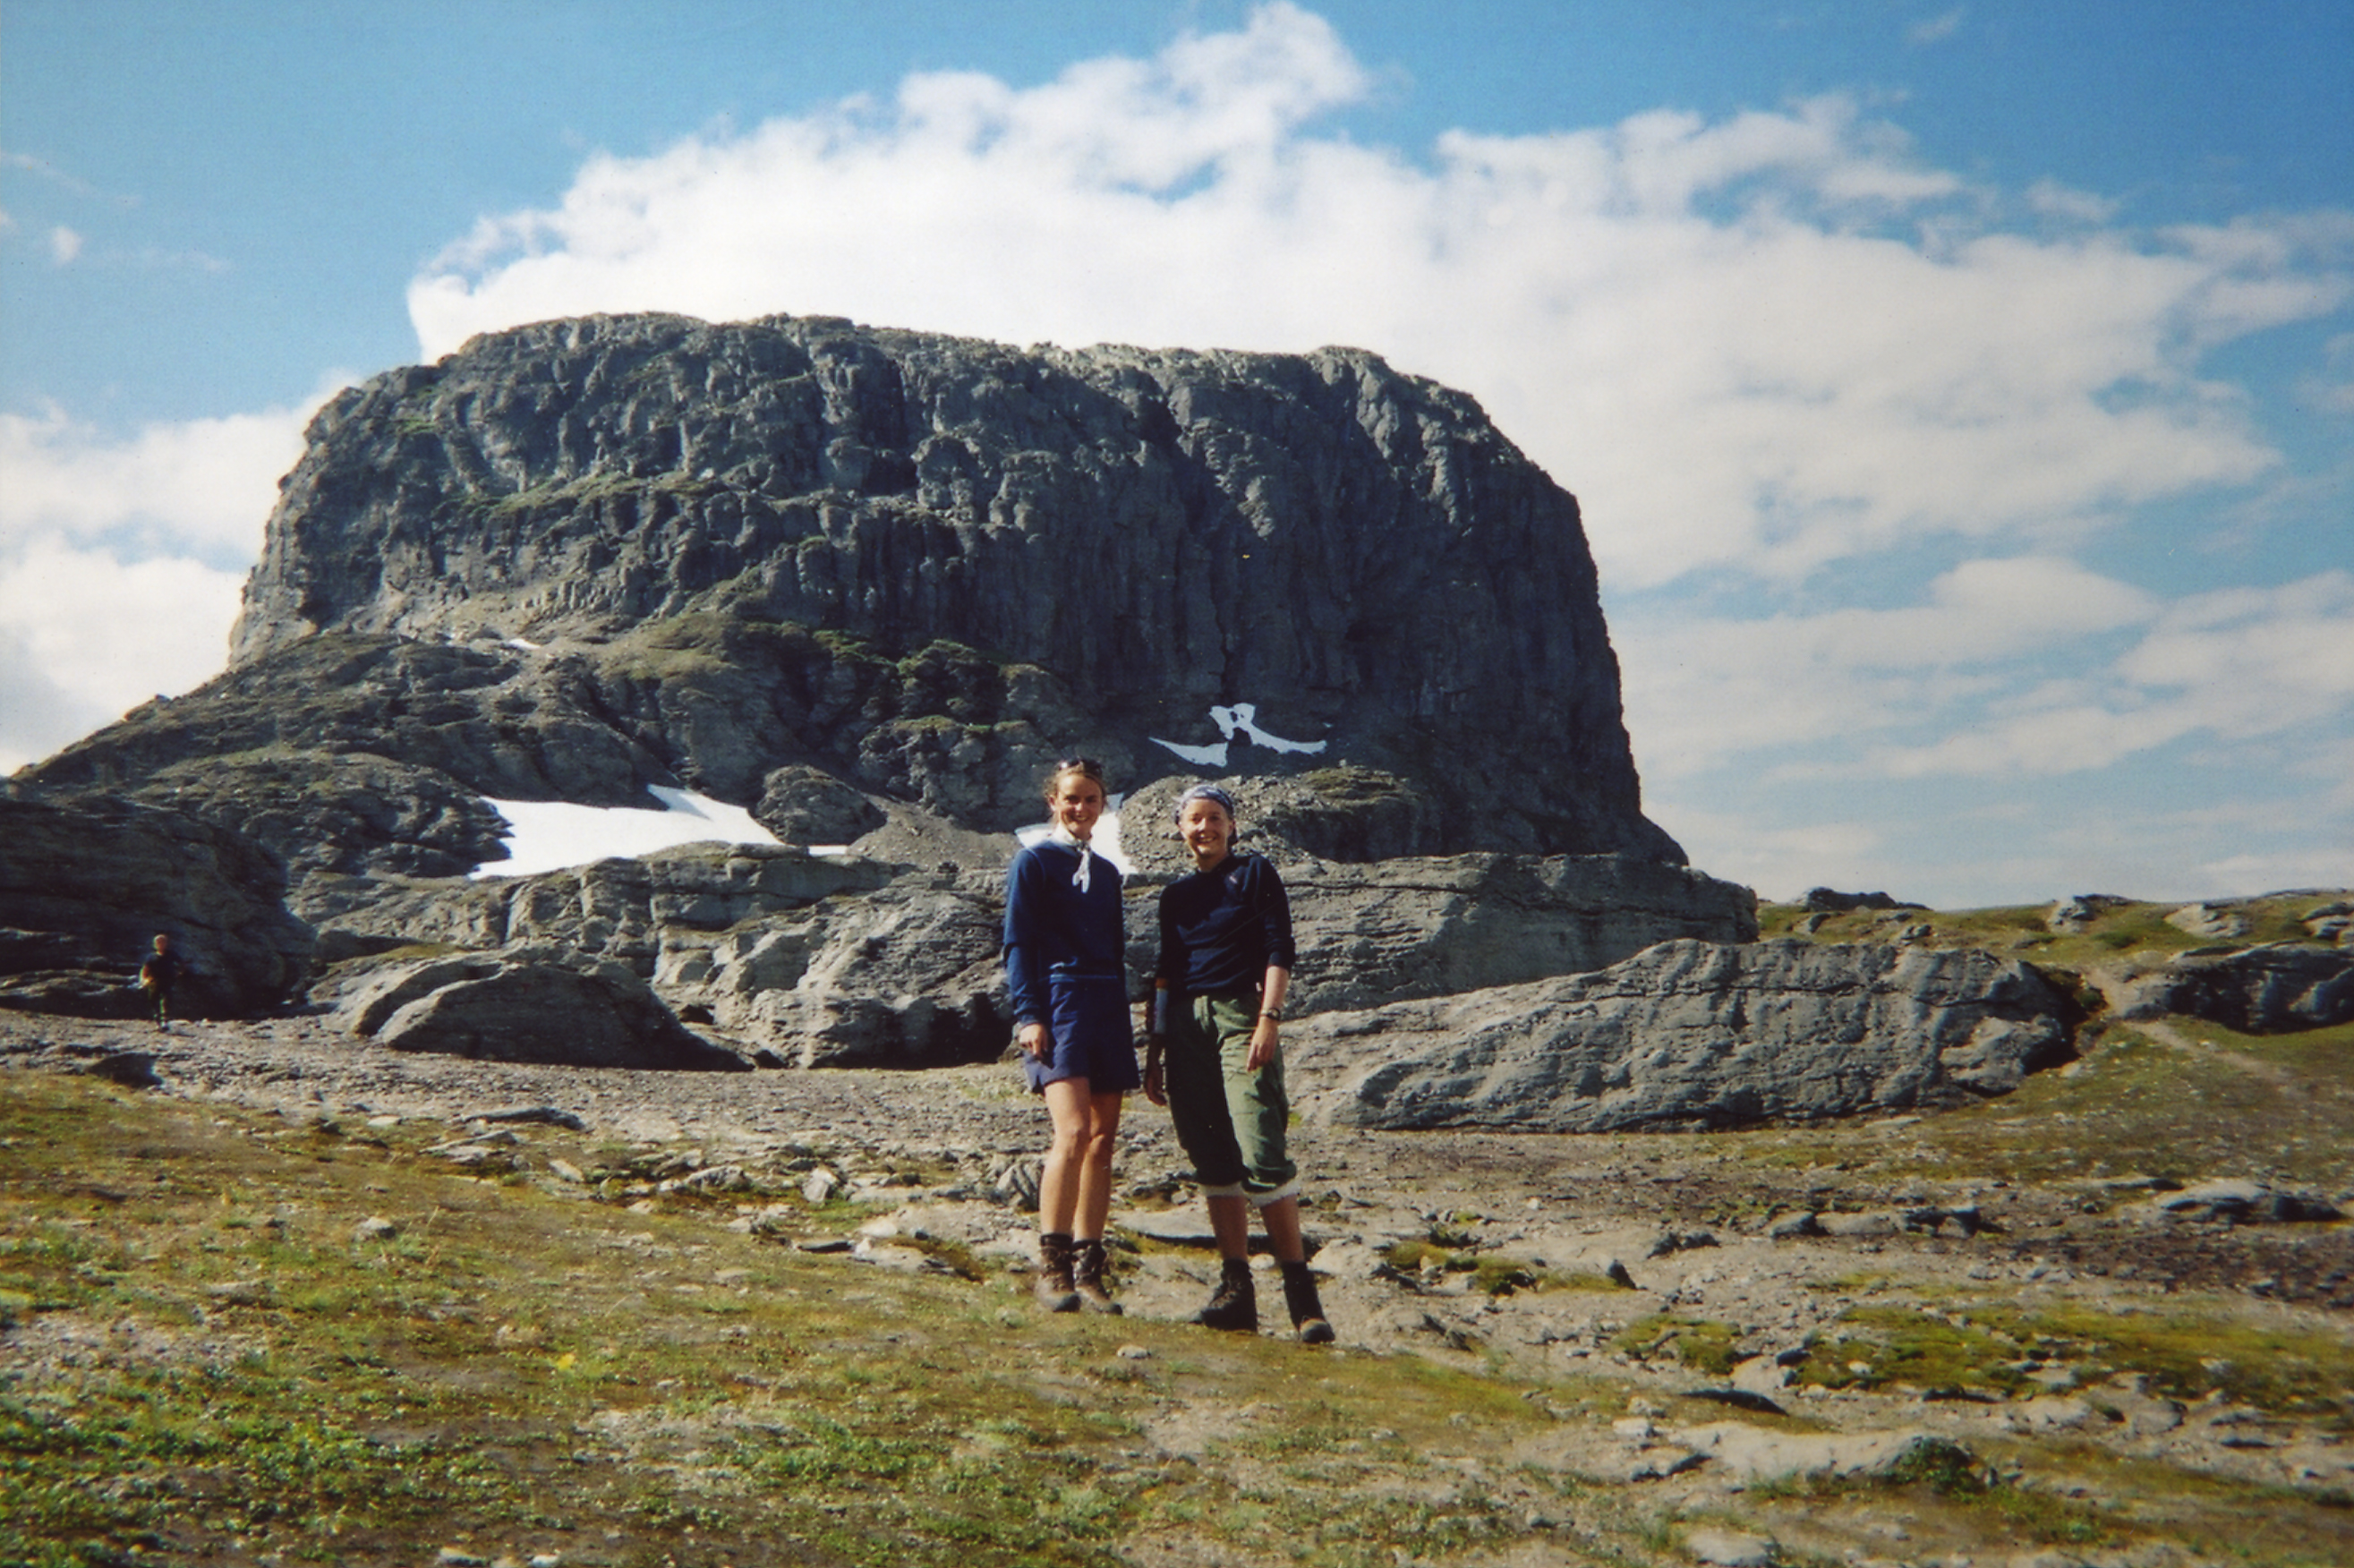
(1847, 426)
(120, 561)
(1772, 342)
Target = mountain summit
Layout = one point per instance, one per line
(796, 562)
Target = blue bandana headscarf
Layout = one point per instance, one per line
(1203, 792)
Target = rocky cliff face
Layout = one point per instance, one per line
(870, 585)
(928, 565)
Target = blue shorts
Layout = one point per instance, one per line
(1090, 1035)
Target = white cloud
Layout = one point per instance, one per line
(1937, 29)
(1701, 691)
(65, 244)
(93, 636)
(2052, 199)
(2011, 669)
(2234, 664)
(198, 486)
(120, 561)
(1772, 342)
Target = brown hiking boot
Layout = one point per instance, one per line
(1053, 1288)
(1307, 1311)
(1088, 1278)
(1235, 1304)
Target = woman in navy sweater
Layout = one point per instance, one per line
(1064, 963)
(1226, 954)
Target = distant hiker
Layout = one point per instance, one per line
(1226, 953)
(158, 973)
(1066, 964)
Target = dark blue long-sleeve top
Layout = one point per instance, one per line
(1220, 928)
(1050, 921)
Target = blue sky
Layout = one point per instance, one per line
(1961, 396)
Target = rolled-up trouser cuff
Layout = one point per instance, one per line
(1226, 1190)
(1261, 1200)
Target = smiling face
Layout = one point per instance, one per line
(1208, 830)
(1076, 801)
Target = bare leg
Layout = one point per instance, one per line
(1282, 1220)
(1060, 1184)
(1091, 1203)
(1230, 1222)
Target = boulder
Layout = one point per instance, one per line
(2077, 912)
(805, 805)
(2240, 1203)
(87, 883)
(2331, 922)
(1692, 1034)
(621, 909)
(907, 977)
(2277, 989)
(1437, 926)
(2214, 922)
(544, 1012)
(1828, 901)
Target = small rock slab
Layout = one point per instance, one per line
(1178, 1227)
(1730, 1549)
(2244, 1203)
(1755, 1454)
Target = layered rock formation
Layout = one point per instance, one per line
(85, 885)
(580, 557)
(1693, 1034)
(870, 584)
(2276, 988)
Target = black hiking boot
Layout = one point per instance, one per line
(1235, 1304)
(1307, 1311)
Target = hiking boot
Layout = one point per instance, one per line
(1235, 1304)
(1088, 1278)
(1053, 1288)
(1307, 1311)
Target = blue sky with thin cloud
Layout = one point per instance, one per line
(1960, 396)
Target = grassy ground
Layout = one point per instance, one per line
(208, 1364)
(205, 1358)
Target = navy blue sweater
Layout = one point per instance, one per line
(1220, 928)
(1048, 921)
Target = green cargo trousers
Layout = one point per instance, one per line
(1229, 1118)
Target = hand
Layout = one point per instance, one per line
(1262, 1045)
(1156, 1086)
(1033, 1038)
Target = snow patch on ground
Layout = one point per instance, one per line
(550, 835)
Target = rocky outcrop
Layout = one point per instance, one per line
(1371, 934)
(583, 556)
(2243, 1203)
(1692, 1033)
(908, 977)
(86, 886)
(621, 910)
(506, 1011)
(2276, 989)
(839, 961)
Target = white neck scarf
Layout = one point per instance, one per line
(1080, 878)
